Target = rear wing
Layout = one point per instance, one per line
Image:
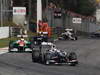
(47, 43)
(22, 36)
(43, 32)
(69, 29)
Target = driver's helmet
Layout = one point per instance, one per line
(53, 49)
(40, 33)
(22, 39)
(69, 32)
(62, 53)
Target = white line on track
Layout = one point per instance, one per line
(3, 50)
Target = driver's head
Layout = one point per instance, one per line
(53, 46)
(22, 39)
(41, 35)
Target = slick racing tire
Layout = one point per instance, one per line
(47, 58)
(35, 55)
(10, 46)
(9, 49)
(76, 38)
(72, 56)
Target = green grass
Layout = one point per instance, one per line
(4, 42)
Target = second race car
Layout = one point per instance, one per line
(68, 34)
(20, 45)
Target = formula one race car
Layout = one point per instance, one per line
(49, 54)
(37, 40)
(68, 34)
(95, 34)
(20, 46)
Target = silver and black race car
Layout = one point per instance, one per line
(68, 34)
(95, 34)
(47, 53)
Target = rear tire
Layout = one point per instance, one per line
(10, 45)
(76, 38)
(9, 49)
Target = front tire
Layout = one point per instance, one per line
(72, 56)
(46, 59)
(35, 55)
(10, 46)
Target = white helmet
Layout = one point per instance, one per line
(22, 39)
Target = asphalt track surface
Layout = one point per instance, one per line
(88, 51)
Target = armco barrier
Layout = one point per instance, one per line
(4, 32)
(5, 48)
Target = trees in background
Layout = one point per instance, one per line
(84, 7)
